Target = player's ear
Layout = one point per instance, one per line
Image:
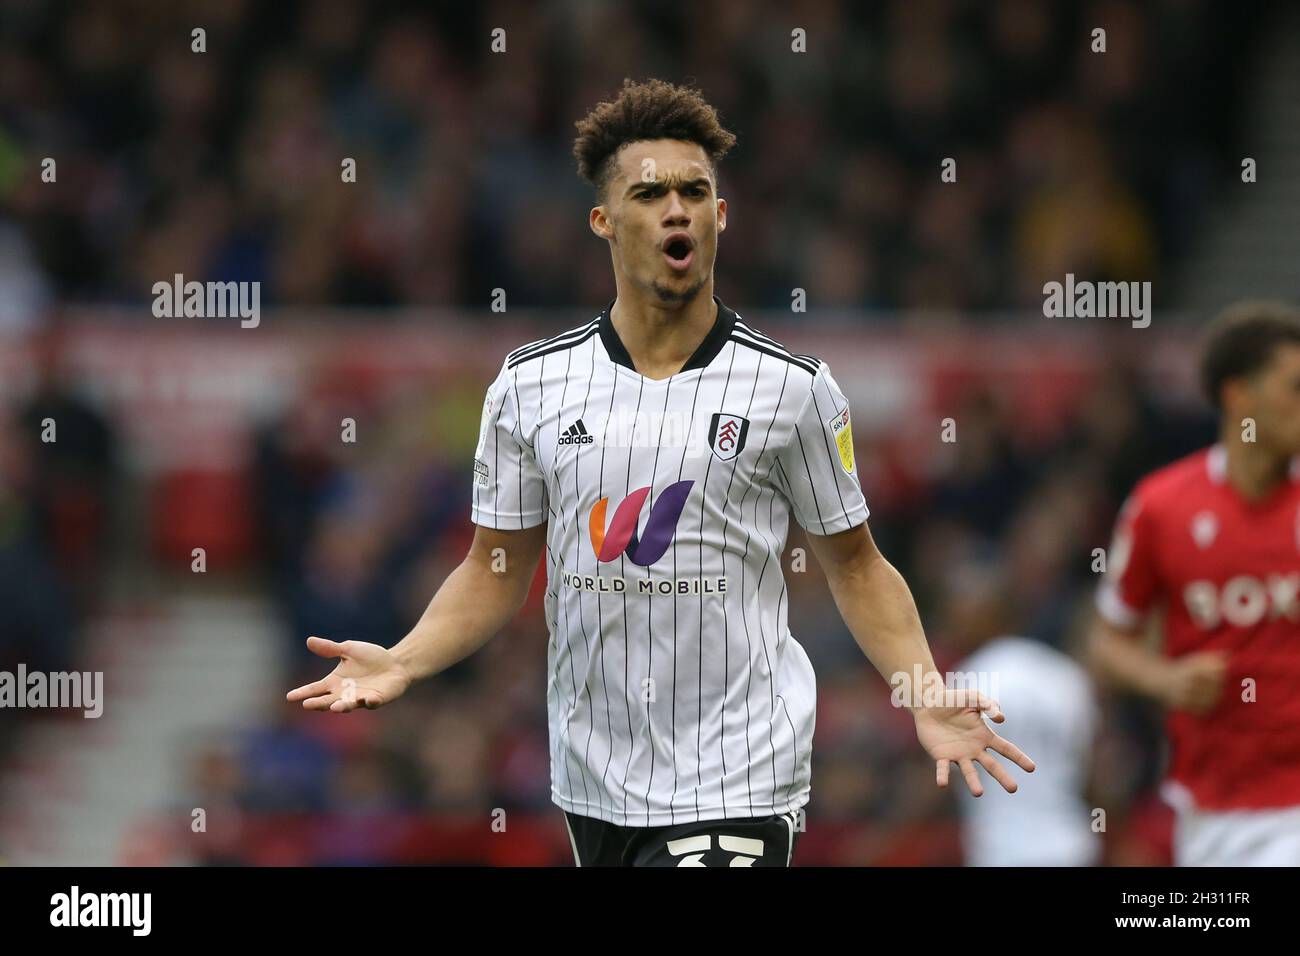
(722, 215)
(598, 219)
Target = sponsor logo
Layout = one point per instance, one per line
(843, 432)
(621, 536)
(576, 434)
(727, 434)
(615, 584)
(481, 473)
(1243, 601)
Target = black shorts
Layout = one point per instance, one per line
(752, 841)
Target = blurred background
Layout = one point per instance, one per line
(176, 434)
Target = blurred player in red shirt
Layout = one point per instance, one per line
(1214, 541)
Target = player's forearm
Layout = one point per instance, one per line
(473, 604)
(1124, 662)
(878, 608)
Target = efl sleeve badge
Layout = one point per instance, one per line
(840, 428)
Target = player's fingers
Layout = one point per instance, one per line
(344, 706)
(941, 772)
(990, 708)
(998, 772)
(324, 648)
(972, 778)
(1208, 678)
(1013, 753)
(313, 689)
(320, 703)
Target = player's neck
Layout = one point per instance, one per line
(661, 337)
(1253, 471)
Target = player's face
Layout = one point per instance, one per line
(662, 217)
(1274, 397)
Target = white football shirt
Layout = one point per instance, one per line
(676, 692)
(1051, 710)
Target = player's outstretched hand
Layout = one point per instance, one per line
(367, 676)
(958, 733)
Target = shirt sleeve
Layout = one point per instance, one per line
(509, 489)
(1131, 584)
(816, 467)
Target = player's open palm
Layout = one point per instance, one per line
(367, 676)
(958, 734)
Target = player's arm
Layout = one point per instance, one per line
(476, 601)
(1117, 651)
(1120, 657)
(484, 592)
(874, 601)
(878, 608)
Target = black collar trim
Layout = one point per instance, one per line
(706, 352)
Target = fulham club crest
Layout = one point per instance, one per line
(727, 435)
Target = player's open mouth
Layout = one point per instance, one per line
(679, 251)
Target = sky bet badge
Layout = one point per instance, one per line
(843, 439)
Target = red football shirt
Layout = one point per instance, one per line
(1227, 572)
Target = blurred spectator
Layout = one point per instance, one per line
(74, 469)
(1051, 710)
(227, 165)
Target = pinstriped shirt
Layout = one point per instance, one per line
(675, 691)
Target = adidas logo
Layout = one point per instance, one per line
(576, 434)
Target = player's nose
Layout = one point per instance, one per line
(675, 213)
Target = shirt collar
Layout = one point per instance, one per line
(1216, 464)
(705, 353)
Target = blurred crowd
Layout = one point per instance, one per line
(226, 164)
(59, 465)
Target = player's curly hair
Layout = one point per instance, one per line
(1241, 341)
(654, 109)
